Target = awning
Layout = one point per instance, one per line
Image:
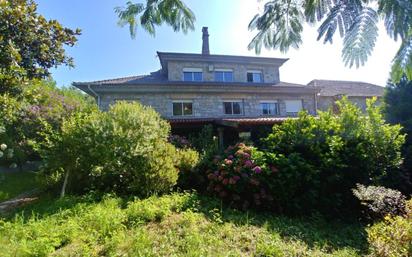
(231, 122)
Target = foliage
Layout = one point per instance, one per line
(397, 109)
(124, 150)
(15, 183)
(39, 109)
(179, 141)
(155, 13)
(320, 159)
(239, 176)
(176, 224)
(380, 201)
(280, 27)
(205, 141)
(30, 44)
(392, 237)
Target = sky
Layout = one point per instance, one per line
(106, 50)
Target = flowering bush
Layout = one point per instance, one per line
(239, 175)
(179, 141)
(39, 109)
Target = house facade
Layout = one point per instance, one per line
(228, 91)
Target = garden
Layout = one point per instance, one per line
(118, 183)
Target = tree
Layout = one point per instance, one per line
(156, 12)
(398, 106)
(280, 26)
(30, 44)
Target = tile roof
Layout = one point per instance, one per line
(240, 120)
(154, 77)
(348, 88)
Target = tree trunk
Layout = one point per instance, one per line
(66, 178)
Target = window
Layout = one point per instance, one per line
(182, 108)
(293, 106)
(269, 108)
(192, 74)
(233, 107)
(224, 75)
(254, 76)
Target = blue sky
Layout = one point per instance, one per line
(105, 50)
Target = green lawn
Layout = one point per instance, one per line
(179, 224)
(15, 183)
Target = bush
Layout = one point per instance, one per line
(397, 109)
(392, 237)
(39, 109)
(123, 150)
(380, 201)
(320, 159)
(239, 176)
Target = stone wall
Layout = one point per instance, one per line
(270, 72)
(209, 105)
(324, 102)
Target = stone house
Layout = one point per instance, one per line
(234, 93)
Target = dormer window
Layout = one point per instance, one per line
(224, 75)
(192, 74)
(254, 76)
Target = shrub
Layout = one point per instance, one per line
(380, 201)
(320, 159)
(239, 176)
(392, 237)
(40, 108)
(123, 150)
(397, 109)
(179, 141)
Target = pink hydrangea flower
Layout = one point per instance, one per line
(228, 162)
(257, 169)
(230, 157)
(248, 163)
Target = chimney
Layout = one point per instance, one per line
(205, 38)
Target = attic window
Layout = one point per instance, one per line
(223, 75)
(254, 76)
(192, 74)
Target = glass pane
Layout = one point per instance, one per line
(197, 76)
(257, 77)
(264, 107)
(177, 109)
(236, 108)
(274, 109)
(249, 77)
(187, 109)
(187, 76)
(218, 76)
(228, 76)
(228, 107)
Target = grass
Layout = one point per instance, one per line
(179, 224)
(15, 183)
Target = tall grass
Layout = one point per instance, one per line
(179, 224)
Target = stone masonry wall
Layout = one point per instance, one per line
(209, 105)
(270, 72)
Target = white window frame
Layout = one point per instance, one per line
(255, 71)
(182, 102)
(233, 101)
(192, 70)
(269, 102)
(294, 110)
(223, 70)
